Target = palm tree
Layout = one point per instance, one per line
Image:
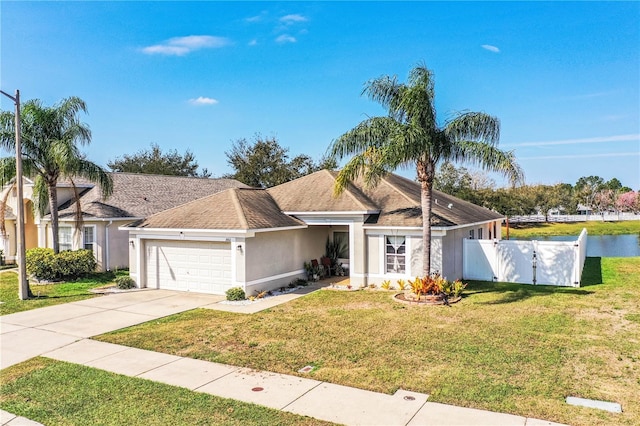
(410, 136)
(50, 147)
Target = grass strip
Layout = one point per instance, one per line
(49, 294)
(58, 393)
(529, 230)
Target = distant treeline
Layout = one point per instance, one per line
(590, 194)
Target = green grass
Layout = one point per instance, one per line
(574, 228)
(59, 393)
(505, 347)
(49, 294)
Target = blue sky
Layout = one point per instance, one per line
(563, 77)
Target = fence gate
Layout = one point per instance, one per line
(557, 263)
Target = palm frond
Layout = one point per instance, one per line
(7, 170)
(490, 158)
(372, 132)
(94, 173)
(40, 195)
(474, 126)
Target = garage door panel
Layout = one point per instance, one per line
(189, 266)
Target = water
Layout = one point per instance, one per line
(604, 245)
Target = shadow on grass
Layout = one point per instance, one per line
(512, 292)
(592, 272)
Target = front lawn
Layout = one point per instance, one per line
(530, 230)
(505, 347)
(57, 393)
(49, 294)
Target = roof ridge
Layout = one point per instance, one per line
(395, 188)
(349, 193)
(154, 175)
(239, 209)
(187, 203)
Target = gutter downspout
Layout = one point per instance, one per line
(106, 236)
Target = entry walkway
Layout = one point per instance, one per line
(61, 332)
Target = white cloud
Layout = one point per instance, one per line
(180, 46)
(603, 139)
(202, 100)
(256, 18)
(286, 38)
(293, 18)
(490, 48)
(609, 154)
(253, 42)
(588, 96)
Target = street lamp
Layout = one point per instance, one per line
(23, 284)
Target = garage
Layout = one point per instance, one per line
(198, 266)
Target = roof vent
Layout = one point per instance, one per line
(450, 205)
(436, 201)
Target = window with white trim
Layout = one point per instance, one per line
(395, 254)
(471, 234)
(65, 240)
(88, 237)
(479, 233)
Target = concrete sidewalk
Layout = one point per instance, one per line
(325, 401)
(60, 332)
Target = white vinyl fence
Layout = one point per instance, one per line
(557, 263)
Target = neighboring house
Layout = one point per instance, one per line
(584, 210)
(259, 239)
(135, 196)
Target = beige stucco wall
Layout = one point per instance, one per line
(118, 246)
(277, 258)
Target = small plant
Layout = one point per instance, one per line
(261, 294)
(236, 293)
(125, 283)
(300, 282)
(386, 285)
(458, 288)
(372, 286)
(402, 284)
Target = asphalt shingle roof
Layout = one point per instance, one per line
(395, 202)
(236, 208)
(141, 195)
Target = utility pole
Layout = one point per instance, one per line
(23, 283)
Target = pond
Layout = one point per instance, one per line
(604, 245)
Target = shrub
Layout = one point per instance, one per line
(386, 285)
(125, 283)
(235, 293)
(74, 264)
(43, 264)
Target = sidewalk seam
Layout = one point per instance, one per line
(303, 394)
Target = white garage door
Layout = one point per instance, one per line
(203, 267)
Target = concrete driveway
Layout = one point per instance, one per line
(27, 334)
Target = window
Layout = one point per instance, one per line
(479, 233)
(88, 238)
(471, 234)
(395, 249)
(64, 238)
